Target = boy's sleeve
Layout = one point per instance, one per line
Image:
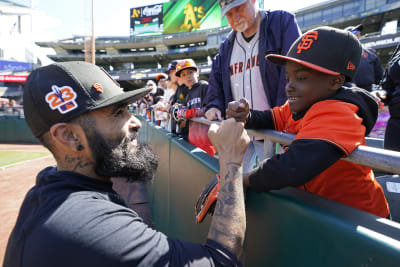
(329, 130)
(260, 120)
(304, 160)
(269, 119)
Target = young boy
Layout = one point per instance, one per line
(189, 73)
(329, 121)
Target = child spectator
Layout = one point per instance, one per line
(161, 107)
(329, 121)
(162, 79)
(189, 74)
(179, 96)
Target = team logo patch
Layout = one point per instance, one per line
(350, 66)
(98, 87)
(306, 42)
(62, 98)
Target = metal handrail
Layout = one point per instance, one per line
(377, 158)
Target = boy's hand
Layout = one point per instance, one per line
(239, 110)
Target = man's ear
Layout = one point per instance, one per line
(337, 82)
(66, 135)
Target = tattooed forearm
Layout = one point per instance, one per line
(229, 219)
(76, 162)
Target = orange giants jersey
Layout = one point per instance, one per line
(336, 122)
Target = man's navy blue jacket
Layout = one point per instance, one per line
(278, 30)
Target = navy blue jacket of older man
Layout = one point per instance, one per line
(278, 30)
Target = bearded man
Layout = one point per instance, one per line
(73, 217)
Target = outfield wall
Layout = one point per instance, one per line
(13, 129)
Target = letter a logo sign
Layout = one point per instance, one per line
(307, 41)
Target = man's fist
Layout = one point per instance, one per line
(239, 110)
(230, 140)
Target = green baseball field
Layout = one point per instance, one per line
(9, 158)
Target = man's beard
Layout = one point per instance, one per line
(115, 159)
(242, 25)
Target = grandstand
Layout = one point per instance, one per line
(134, 59)
(17, 54)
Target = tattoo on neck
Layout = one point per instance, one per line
(77, 162)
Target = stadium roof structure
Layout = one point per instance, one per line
(134, 59)
(11, 8)
(150, 55)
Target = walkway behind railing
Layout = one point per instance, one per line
(286, 227)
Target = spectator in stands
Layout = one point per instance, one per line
(162, 107)
(172, 82)
(188, 71)
(317, 107)
(370, 70)
(155, 91)
(240, 69)
(391, 85)
(162, 79)
(178, 98)
(181, 89)
(151, 99)
(73, 217)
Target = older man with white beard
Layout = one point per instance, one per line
(240, 70)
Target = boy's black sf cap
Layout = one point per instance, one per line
(325, 49)
(61, 92)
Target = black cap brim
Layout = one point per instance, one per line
(282, 60)
(126, 98)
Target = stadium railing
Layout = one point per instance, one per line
(376, 158)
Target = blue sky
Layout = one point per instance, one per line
(57, 19)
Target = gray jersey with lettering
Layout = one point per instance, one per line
(245, 72)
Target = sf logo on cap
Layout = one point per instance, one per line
(306, 42)
(62, 98)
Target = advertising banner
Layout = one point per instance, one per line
(192, 15)
(13, 78)
(146, 20)
(14, 66)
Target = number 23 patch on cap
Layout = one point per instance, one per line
(62, 98)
